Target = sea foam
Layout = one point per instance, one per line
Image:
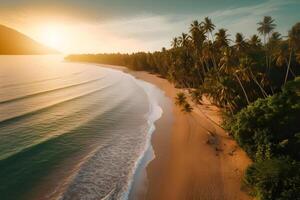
(155, 112)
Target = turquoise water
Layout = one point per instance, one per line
(69, 130)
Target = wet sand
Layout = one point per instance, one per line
(194, 157)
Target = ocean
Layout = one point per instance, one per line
(71, 130)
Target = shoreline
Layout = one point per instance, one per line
(186, 164)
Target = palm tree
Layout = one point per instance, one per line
(229, 66)
(180, 99)
(222, 39)
(220, 90)
(240, 43)
(195, 26)
(184, 40)
(209, 27)
(240, 74)
(187, 108)
(197, 39)
(294, 44)
(196, 96)
(275, 37)
(254, 41)
(274, 41)
(247, 64)
(175, 43)
(298, 57)
(197, 35)
(228, 60)
(281, 55)
(273, 46)
(265, 28)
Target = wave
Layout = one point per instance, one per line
(48, 91)
(40, 81)
(155, 112)
(57, 134)
(90, 182)
(26, 114)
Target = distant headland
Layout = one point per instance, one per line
(13, 42)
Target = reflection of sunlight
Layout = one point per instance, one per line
(53, 36)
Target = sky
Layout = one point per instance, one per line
(106, 26)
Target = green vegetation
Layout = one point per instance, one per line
(269, 131)
(277, 178)
(181, 100)
(270, 127)
(254, 82)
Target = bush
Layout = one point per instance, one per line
(274, 179)
(269, 131)
(270, 127)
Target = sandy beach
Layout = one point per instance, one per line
(194, 156)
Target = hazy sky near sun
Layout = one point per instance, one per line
(89, 26)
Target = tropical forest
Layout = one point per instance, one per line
(253, 80)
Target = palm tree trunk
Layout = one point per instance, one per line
(269, 56)
(244, 91)
(231, 110)
(288, 67)
(213, 56)
(203, 67)
(199, 74)
(257, 83)
(291, 71)
(265, 46)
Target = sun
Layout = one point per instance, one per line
(53, 36)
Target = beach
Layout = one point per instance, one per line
(107, 134)
(194, 157)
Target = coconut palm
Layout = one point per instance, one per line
(240, 75)
(227, 61)
(274, 41)
(197, 35)
(294, 44)
(222, 39)
(273, 46)
(265, 28)
(196, 96)
(220, 90)
(294, 37)
(254, 41)
(209, 27)
(240, 43)
(298, 57)
(195, 26)
(187, 108)
(180, 99)
(230, 66)
(175, 43)
(281, 55)
(247, 64)
(275, 37)
(197, 39)
(184, 40)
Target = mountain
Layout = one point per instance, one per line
(13, 42)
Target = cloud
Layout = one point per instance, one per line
(149, 32)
